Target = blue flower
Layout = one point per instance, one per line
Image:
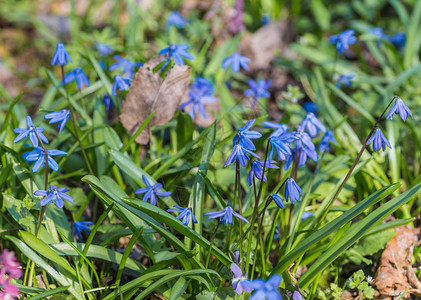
(257, 170)
(306, 215)
(55, 195)
(176, 52)
(399, 108)
(276, 232)
(30, 131)
(297, 295)
(225, 216)
(258, 89)
(202, 85)
(121, 83)
(398, 39)
(379, 34)
(265, 289)
(236, 61)
(343, 40)
(104, 49)
(278, 200)
(108, 102)
(201, 92)
(280, 141)
(176, 19)
(239, 153)
(79, 76)
(344, 79)
(303, 139)
(329, 137)
(61, 56)
(292, 190)
(152, 191)
(125, 65)
(311, 124)
(81, 227)
(244, 136)
(311, 107)
(280, 128)
(60, 117)
(304, 153)
(379, 141)
(185, 214)
(37, 155)
(238, 280)
(265, 20)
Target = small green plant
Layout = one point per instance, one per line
(362, 283)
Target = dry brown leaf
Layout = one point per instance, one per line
(395, 273)
(261, 47)
(148, 93)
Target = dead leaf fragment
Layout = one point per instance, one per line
(395, 274)
(148, 93)
(261, 47)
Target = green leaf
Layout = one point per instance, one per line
(43, 249)
(29, 253)
(135, 172)
(99, 119)
(45, 294)
(197, 196)
(179, 288)
(173, 158)
(334, 225)
(161, 215)
(98, 252)
(172, 275)
(167, 274)
(185, 130)
(9, 111)
(129, 247)
(352, 103)
(355, 232)
(321, 14)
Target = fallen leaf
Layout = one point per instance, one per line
(262, 46)
(148, 93)
(395, 274)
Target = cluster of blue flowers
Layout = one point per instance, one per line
(378, 139)
(152, 192)
(344, 39)
(42, 156)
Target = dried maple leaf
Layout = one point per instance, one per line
(148, 93)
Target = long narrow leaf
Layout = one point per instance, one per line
(355, 232)
(333, 226)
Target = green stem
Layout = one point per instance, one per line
(45, 185)
(83, 102)
(210, 246)
(304, 202)
(334, 64)
(240, 206)
(74, 122)
(41, 215)
(253, 220)
(256, 210)
(260, 223)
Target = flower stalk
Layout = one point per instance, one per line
(74, 119)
